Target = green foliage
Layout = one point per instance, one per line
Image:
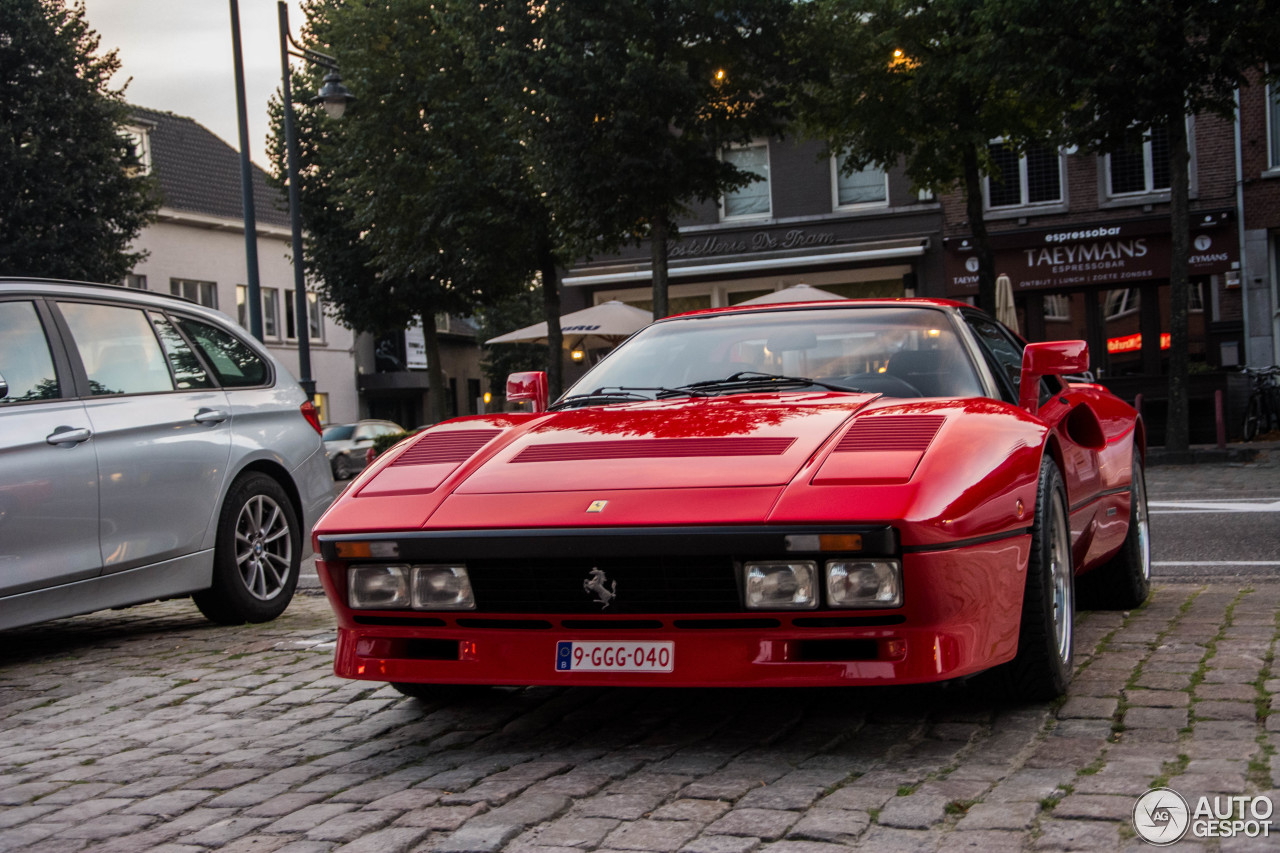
(928, 85)
(630, 103)
(72, 206)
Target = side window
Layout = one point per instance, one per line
(25, 361)
(1004, 355)
(236, 365)
(188, 372)
(118, 348)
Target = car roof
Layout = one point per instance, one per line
(21, 284)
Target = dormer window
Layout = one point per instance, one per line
(138, 138)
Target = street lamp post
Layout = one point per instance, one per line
(253, 296)
(334, 96)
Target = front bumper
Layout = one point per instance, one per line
(960, 616)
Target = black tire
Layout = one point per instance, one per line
(1042, 668)
(1124, 581)
(342, 468)
(1252, 418)
(257, 555)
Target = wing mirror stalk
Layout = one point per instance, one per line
(531, 386)
(1051, 358)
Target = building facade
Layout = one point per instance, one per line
(1085, 240)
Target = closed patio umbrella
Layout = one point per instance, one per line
(1005, 311)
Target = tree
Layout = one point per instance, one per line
(1139, 66)
(632, 102)
(73, 198)
(928, 84)
(420, 184)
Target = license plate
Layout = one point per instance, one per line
(614, 657)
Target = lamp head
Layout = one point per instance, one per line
(333, 95)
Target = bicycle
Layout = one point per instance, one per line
(1263, 408)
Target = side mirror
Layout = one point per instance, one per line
(1051, 358)
(529, 385)
(4, 388)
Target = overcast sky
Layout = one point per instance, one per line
(178, 54)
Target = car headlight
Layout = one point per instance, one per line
(864, 583)
(783, 585)
(442, 588)
(400, 587)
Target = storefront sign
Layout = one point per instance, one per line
(1115, 255)
(761, 241)
(1133, 343)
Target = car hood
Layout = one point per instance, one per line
(521, 470)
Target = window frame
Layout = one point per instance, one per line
(1107, 198)
(837, 170)
(766, 180)
(178, 285)
(1272, 110)
(1024, 188)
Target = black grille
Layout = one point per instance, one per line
(642, 585)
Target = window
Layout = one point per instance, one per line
(242, 305)
(753, 199)
(25, 361)
(137, 282)
(188, 372)
(202, 292)
(1034, 177)
(313, 310)
(1273, 126)
(1142, 170)
(1121, 302)
(118, 348)
(234, 362)
(270, 312)
(1195, 298)
(1057, 306)
(869, 186)
(138, 159)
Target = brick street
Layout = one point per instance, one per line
(151, 729)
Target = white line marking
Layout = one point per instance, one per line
(1215, 562)
(1223, 505)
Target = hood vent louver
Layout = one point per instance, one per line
(891, 432)
(452, 446)
(654, 448)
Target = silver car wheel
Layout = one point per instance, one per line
(264, 547)
(1061, 580)
(1142, 523)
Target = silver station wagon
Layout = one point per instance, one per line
(149, 449)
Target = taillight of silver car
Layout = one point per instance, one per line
(313, 417)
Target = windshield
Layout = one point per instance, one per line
(340, 432)
(890, 350)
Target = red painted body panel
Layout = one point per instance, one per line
(960, 617)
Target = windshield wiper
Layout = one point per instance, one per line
(753, 379)
(607, 395)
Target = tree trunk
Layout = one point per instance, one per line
(978, 227)
(658, 252)
(551, 310)
(1177, 429)
(435, 370)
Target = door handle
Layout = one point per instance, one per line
(65, 435)
(210, 416)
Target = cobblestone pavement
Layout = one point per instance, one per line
(150, 729)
